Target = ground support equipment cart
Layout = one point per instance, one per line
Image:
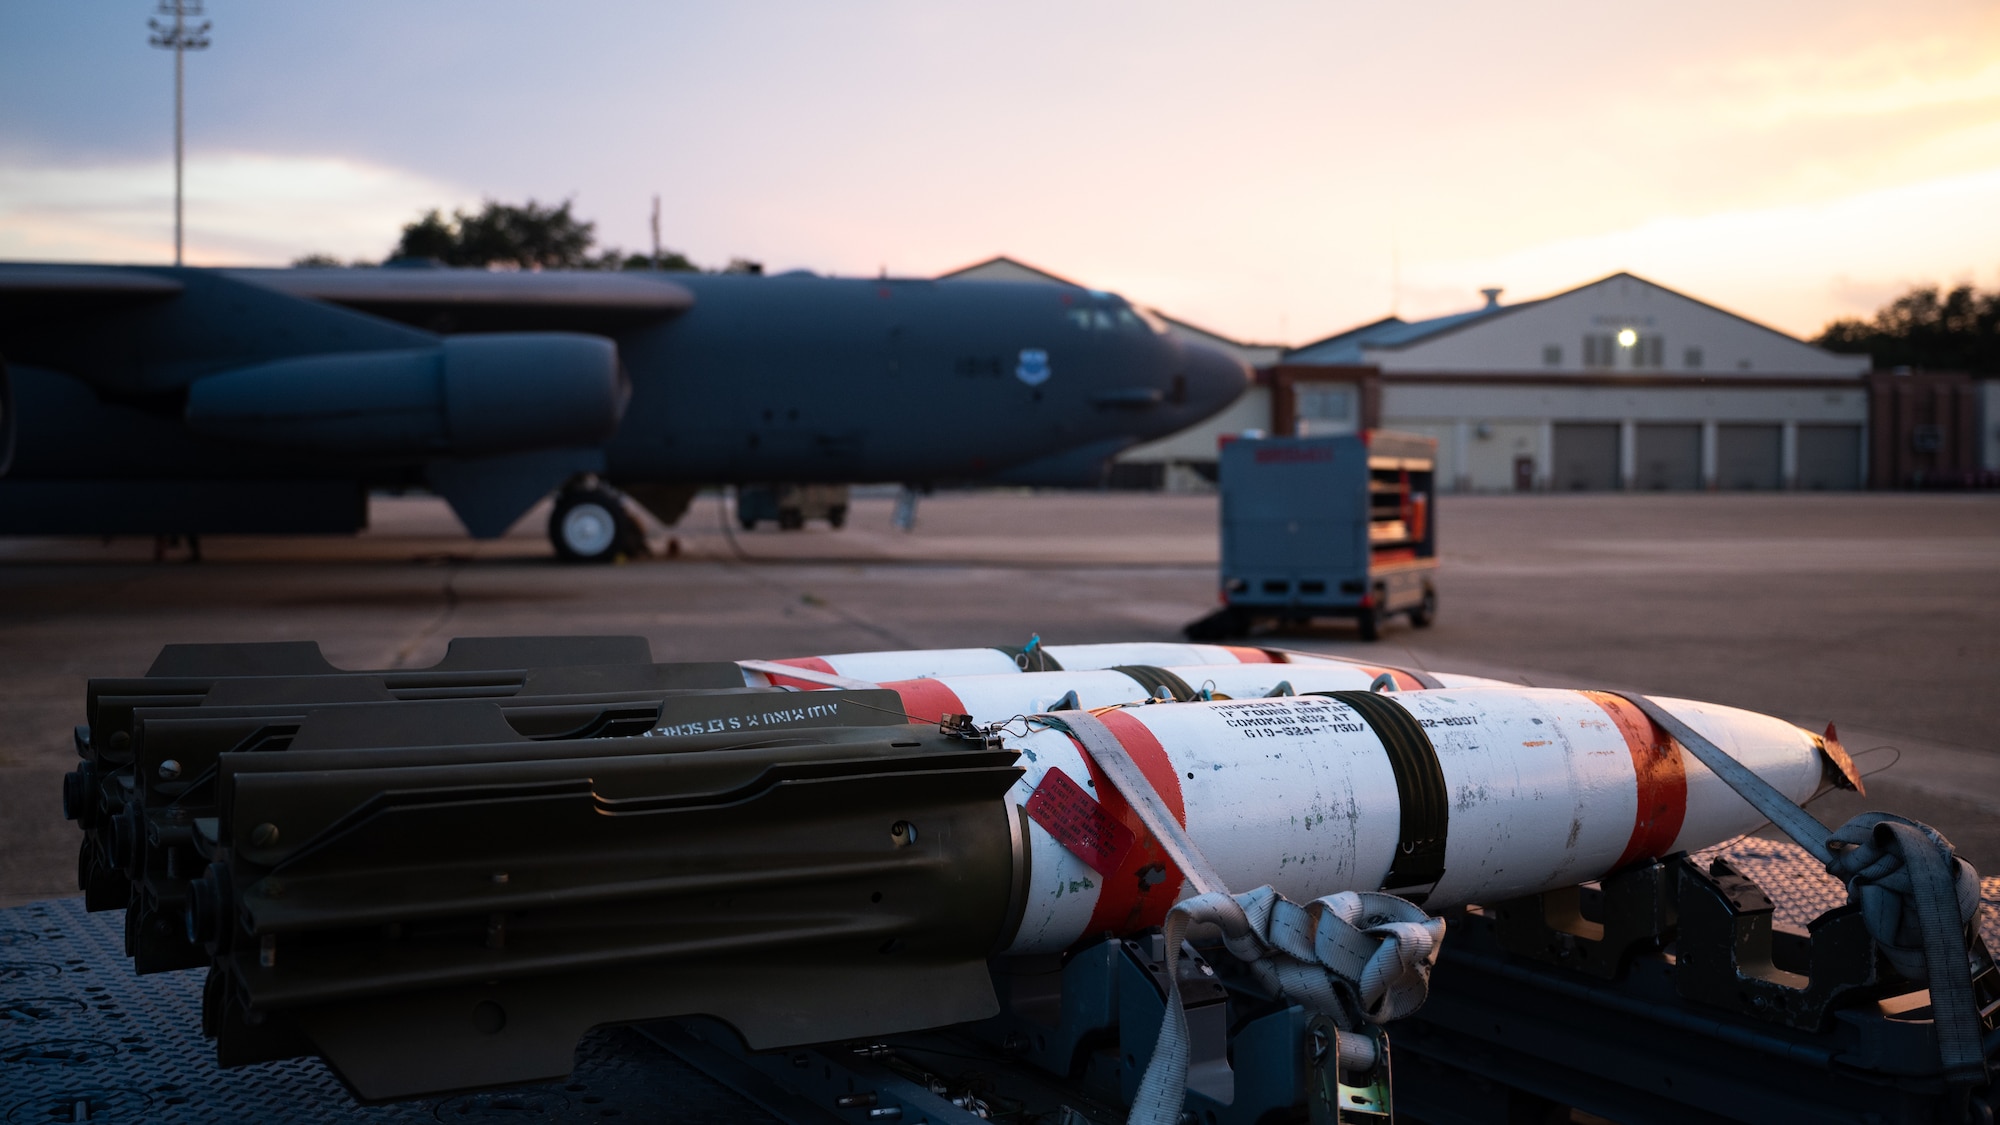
(1326, 527)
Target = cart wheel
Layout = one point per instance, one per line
(1426, 611)
(1370, 624)
(836, 515)
(790, 519)
(749, 522)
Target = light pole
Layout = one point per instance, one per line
(179, 37)
(656, 234)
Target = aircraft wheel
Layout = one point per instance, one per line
(836, 516)
(591, 525)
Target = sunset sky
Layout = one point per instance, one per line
(1276, 171)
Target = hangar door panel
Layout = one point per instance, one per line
(1586, 457)
(1748, 457)
(1667, 458)
(1830, 457)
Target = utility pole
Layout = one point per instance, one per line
(180, 37)
(656, 233)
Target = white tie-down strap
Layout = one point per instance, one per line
(1356, 957)
(1919, 901)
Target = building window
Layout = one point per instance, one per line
(1648, 351)
(1691, 359)
(1323, 409)
(1599, 350)
(1628, 348)
(1552, 356)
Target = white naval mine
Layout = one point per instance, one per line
(1528, 789)
(990, 699)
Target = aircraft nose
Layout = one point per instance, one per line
(1214, 379)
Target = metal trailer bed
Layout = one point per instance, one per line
(1326, 527)
(1537, 1008)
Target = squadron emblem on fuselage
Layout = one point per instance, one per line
(1033, 369)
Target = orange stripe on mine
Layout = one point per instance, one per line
(1661, 775)
(927, 700)
(1404, 681)
(810, 663)
(1144, 887)
(1246, 655)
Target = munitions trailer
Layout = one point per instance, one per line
(1326, 527)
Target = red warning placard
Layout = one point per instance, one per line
(1079, 823)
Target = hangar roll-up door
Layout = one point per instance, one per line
(1748, 457)
(1667, 457)
(1830, 457)
(1585, 457)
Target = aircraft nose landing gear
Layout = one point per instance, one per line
(590, 523)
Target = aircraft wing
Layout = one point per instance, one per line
(436, 300)
(308, 371)
(32, 290)
(453, 300)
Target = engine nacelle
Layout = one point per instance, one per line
(470, 396)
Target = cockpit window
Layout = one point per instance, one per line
(1117, 316)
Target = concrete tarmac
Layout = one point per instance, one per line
(1878, 611)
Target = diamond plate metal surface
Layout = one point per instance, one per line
(83, 1039)
(1801, 890)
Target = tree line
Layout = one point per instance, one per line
(1926, 329)
(531, 236)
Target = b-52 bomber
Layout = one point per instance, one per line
(175, 401)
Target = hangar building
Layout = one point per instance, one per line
(1618, 384)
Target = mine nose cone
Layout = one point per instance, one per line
(1214, 379)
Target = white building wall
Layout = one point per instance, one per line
(1486, 430)
(1443, 401)
(1006, 269)
(1518, 340)
(1496, 450)
(1481, 457)
(1447, 455)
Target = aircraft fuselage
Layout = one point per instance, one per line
(157, 399)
